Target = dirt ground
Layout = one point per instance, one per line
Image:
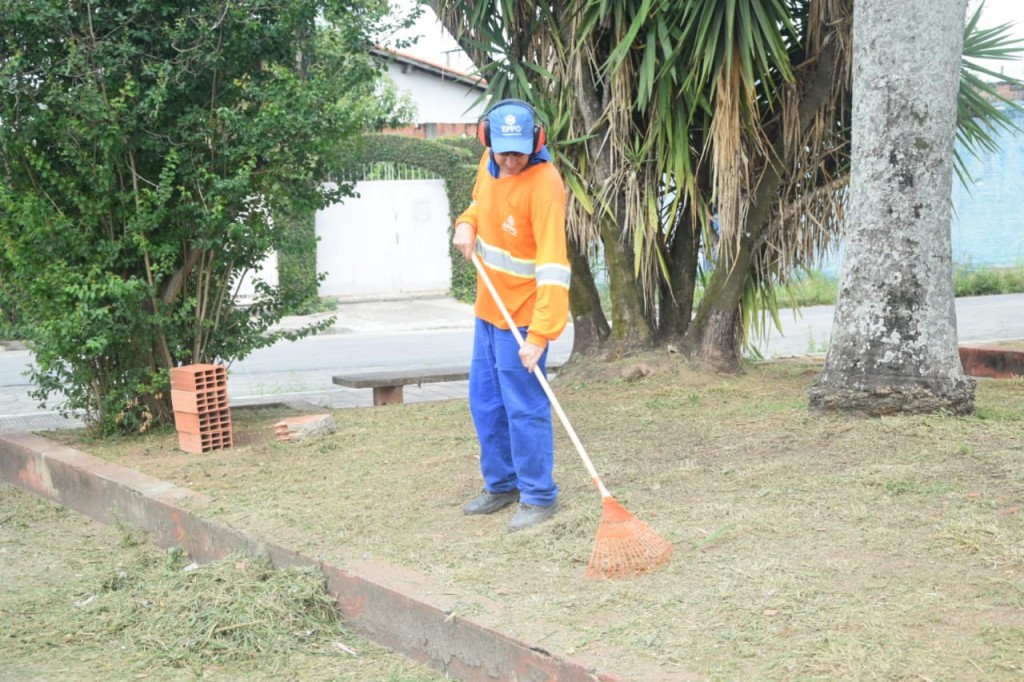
(805, 546)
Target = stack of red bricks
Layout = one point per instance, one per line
(199, 396)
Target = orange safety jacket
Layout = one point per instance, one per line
(520, 238)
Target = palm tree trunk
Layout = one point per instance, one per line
(630, 329)
(714, 337)
(894, 342)
(716, 333)
(590, 327)
(676, 305)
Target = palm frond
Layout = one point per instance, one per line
(981, 110)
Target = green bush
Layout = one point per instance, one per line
(813, 288)
(160, 157)
(969, 280)
(817, 288)
(296, 265)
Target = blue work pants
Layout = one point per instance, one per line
(512, 416)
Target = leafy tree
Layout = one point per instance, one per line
(151, 155)
(706, 145)
(894, 346)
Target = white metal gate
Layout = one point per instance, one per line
(391, 241)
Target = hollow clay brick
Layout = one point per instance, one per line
(198, 377)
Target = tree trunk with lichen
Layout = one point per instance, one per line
(894, 342)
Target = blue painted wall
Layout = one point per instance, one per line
(988, 220)
(988, 216)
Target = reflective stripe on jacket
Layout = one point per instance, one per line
(520, 237)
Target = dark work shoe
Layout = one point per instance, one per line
(488, 502)
(530, 515)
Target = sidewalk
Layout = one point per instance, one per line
(372, 317)
(18, 412)
(980, 319)
(379, 316)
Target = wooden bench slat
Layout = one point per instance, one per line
(388, 384)
(401, 377)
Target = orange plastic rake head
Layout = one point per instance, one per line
(626, 547)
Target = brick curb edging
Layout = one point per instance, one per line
(993, 361)
(110, 493)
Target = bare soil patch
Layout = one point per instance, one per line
(805, 547)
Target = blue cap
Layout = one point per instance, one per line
(511, 128)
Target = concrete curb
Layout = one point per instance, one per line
(374, 598)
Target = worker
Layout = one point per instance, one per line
(516, 227)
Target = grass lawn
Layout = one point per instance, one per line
(805, 546)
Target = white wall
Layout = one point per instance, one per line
(437, 100)
(267, 272)
(391, 241)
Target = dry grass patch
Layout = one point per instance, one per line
(805, 546)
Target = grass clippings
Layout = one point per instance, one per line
(805, 546)
(90, 603)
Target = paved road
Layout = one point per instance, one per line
(978, 318)
(405, 334)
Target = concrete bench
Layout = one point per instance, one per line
(388, 385)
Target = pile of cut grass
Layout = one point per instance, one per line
(191, 616)
(121, 610)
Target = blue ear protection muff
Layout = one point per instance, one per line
(483, 128)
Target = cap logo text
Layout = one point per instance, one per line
(511, 127)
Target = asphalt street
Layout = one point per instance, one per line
(978, 319)
(421, 333)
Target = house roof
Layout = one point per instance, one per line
(410, 62)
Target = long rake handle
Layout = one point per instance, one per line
(543, 381)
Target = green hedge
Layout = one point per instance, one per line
(296, 265)
(456, 161)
